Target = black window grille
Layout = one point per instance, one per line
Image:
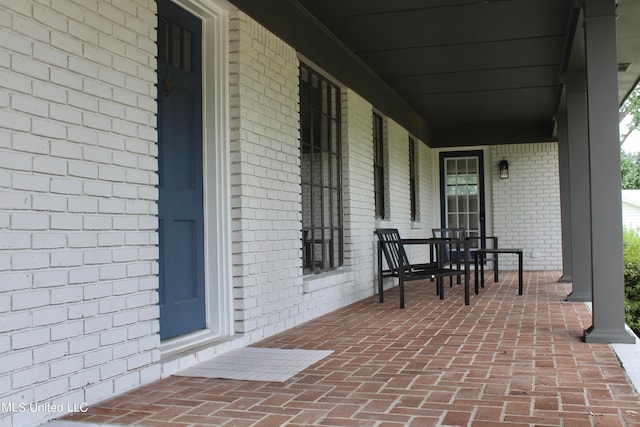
(413, 197)
(378, 165)
(321, 173)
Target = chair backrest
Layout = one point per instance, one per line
(456, 253)
(450, 233)
(392, 248)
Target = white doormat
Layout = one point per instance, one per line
(257, 364)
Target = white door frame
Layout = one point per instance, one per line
(216, 174)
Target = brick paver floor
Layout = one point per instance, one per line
(504, 360)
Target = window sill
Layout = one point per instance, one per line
(317, 282)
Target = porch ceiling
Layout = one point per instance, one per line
(474, 71)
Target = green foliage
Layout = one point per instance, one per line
(631, 105)
(632, 278)
(630, 108)
(630, 168)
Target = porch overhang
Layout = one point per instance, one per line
(453, 72)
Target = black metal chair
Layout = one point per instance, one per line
(452, 258)
(473, 243)
(393, 248)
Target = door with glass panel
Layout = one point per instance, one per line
(462, 192)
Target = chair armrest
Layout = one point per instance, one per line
(421, 241)
(416, 241)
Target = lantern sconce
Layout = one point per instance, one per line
(504, 169)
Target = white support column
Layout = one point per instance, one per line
(579, 186)
(604, 146)
(565, 195)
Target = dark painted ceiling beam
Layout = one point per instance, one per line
(492, 134)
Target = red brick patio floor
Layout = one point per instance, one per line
(504, 360)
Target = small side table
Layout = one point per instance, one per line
(479, 261)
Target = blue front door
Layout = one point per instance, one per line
(180, 206)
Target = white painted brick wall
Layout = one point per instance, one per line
(398, 175)
(359, 206)
(526, 207)
(428, 190)
(270, 292)
(265, 179)
(397, 170)
(398, 198)
(77, 201)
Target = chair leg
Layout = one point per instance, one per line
(380, 284)
(481, 261)
(475, 273)
(466, 287)
(401, 286)
(520, 274)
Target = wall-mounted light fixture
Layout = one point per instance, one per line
(504, 169)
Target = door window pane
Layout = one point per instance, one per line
(461, 186)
